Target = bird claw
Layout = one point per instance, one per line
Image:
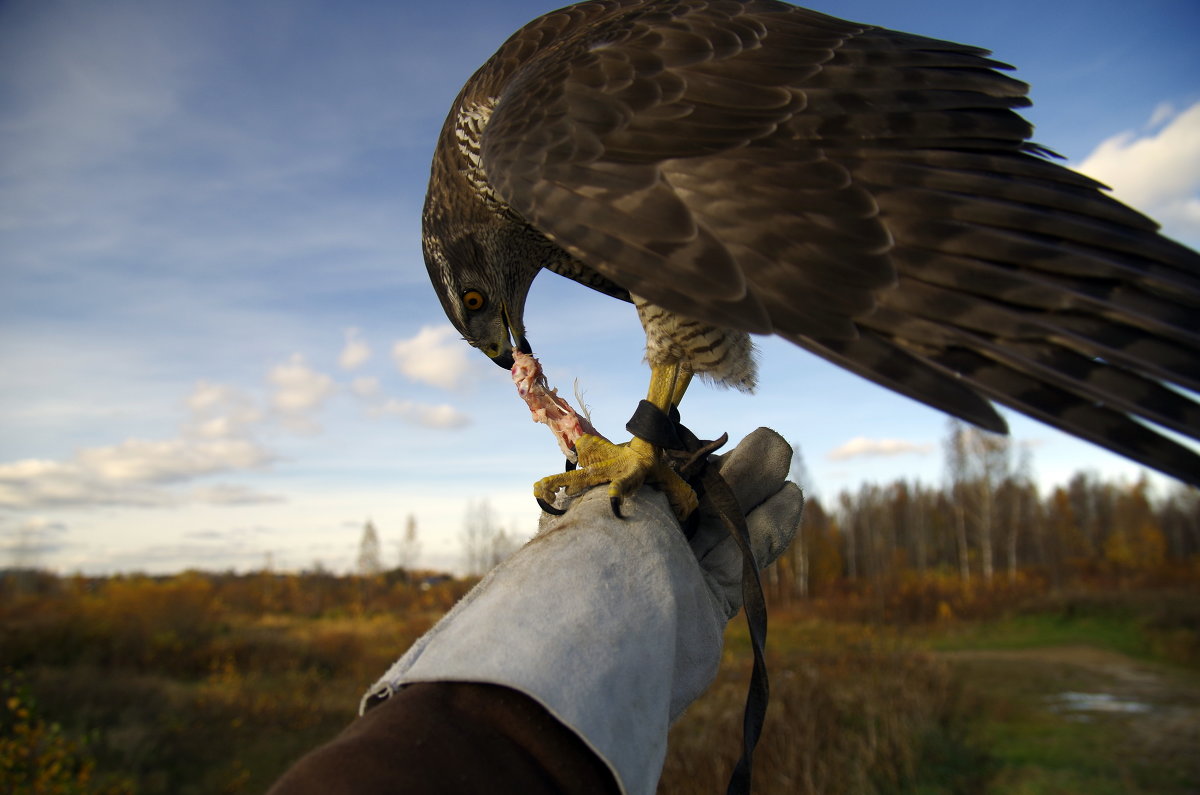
(625, 468)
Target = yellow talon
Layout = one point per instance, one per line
(625, 468)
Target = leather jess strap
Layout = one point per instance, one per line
(689, 455)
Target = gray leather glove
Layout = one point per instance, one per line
(610, 624)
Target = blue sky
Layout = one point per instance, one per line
(217, 339)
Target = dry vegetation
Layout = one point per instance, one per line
(208, 683)
(196, 683)
(852, 711)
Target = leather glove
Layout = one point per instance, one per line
(613, 625)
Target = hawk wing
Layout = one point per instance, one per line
(867, 194)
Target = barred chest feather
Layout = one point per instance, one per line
(721, 355)
(469, 125)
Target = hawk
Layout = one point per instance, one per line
(738, 168)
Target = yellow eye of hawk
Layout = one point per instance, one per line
(474, 300)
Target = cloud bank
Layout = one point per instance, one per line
(299, 390)
(132, 472)
(435, 356)
(1156, 170)
(430, 416)
(214, 440)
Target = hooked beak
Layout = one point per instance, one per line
(505, 358)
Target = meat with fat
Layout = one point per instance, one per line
(546, 406)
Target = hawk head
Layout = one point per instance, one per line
(482, 275)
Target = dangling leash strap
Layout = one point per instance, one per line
(690, 455)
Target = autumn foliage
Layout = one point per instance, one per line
(194, 683)
(203, 682)
(907, 552)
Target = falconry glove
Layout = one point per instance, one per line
(614, 626)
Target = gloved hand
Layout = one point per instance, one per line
(610, 624)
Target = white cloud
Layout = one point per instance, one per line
(424, 414)
(356, 352)
(137, 472)
(434, 356)
(299, 390)
(442, 415)
(365, 387)
(129, 473)
(206, 397)
(1162, 112)
(169, 460)
(220, 411)
(1157, 172)
(862, 447)
(39, 483)
(134, 472)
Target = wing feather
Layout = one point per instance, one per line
(870, 195)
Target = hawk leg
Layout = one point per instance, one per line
(626, 467)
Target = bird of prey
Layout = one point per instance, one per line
(738, 168)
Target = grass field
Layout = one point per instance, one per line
(221, 702)
(1077, 693)
(1095, 693)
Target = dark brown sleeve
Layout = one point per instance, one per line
(449, 738)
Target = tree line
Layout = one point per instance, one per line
(988, 521)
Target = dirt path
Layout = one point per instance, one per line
(1157, 706)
